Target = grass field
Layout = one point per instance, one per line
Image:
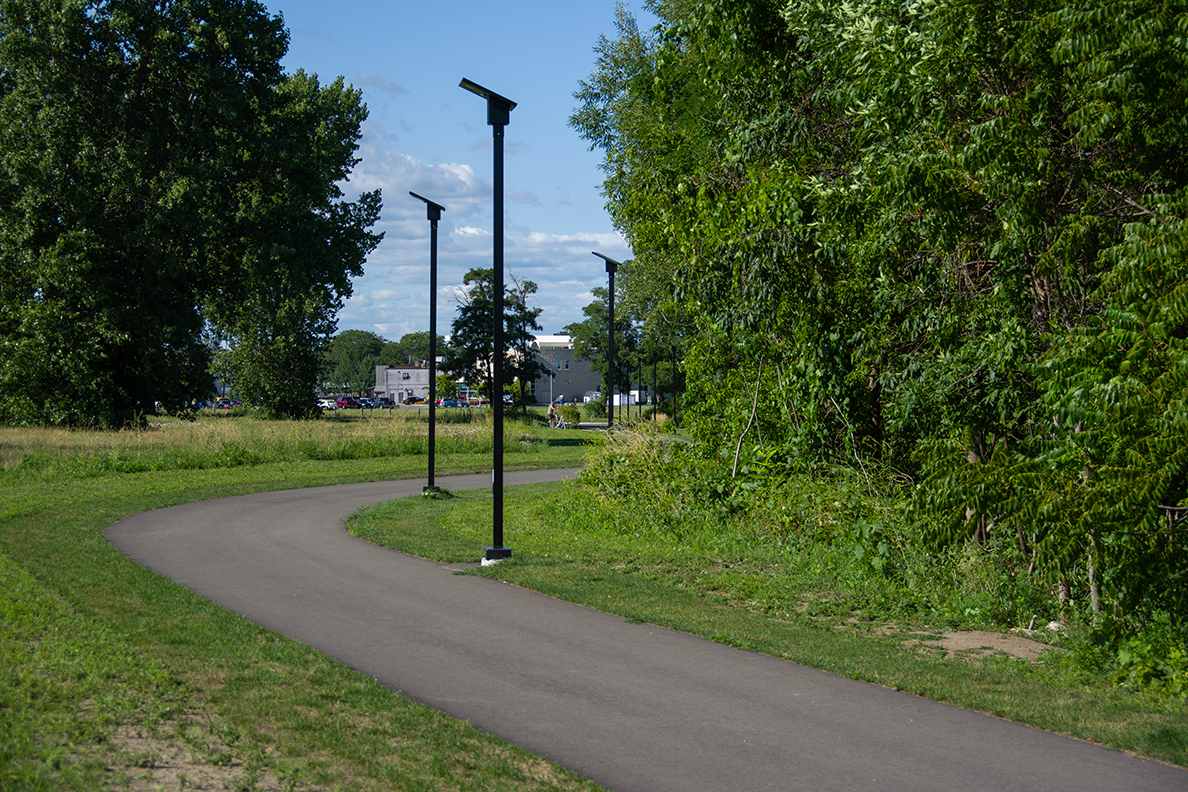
(112, 677)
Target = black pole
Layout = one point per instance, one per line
(639, 387)
(674, 386)
(497, 327)
(611, 266)
(498, 116)
(610, 346)
(432, 353)
(655, 387)
(434, 211)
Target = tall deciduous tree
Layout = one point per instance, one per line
(522, 326)
(411, 349)
(351, 358)
(591, 338)
(161, 174)
(473, 332)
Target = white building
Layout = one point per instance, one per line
(399, 382)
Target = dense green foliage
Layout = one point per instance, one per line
(590, 337)
(944, 238)
(411, 349)
(162, 177)
(836, 547)
(646, 362)
(351, 358)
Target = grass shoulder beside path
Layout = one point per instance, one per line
(614, 572)
(113, 677)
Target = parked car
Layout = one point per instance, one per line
(328, 403)
(414, 400)
(227, 404)
(347, 402)
(384, 403)
(367, 403)
(453, 403)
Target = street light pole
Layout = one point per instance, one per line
(639, 388)
(655, 387)
(674, 386)
(498, 116)
(433, 211)
(611, 266)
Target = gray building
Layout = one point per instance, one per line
(568, 378)
(399, 382)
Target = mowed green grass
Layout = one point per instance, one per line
(681, 586)
(111, 675)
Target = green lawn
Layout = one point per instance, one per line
(112, 676)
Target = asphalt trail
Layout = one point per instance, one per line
(631, 706)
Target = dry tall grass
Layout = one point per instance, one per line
(229, 442)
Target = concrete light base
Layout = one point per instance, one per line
(495, 555)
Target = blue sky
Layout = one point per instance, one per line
(427, 135)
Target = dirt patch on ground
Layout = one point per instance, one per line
(978, 643)
(149, 763)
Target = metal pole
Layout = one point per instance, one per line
(655, 387)
(611, 266)
(432, 354)
(498, 116)
(610, 346)
(639, 387)
(497, 310)
(674, 386)
(434, 211)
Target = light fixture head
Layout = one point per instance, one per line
(434, 209)
(499, 107)
(611, 264)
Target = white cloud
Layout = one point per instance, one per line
(391, 298)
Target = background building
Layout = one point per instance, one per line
(400, 382)
(567, 377)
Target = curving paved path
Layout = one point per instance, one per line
(632, 706)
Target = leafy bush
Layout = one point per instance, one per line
(596, 408)
(1156, 659)
(829, 542)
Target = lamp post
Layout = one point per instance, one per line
(639, 388)
(498, 116)
(611, 266)
(674, 386)
(655, 387)
(433, 210)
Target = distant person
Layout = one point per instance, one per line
(552, 413)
